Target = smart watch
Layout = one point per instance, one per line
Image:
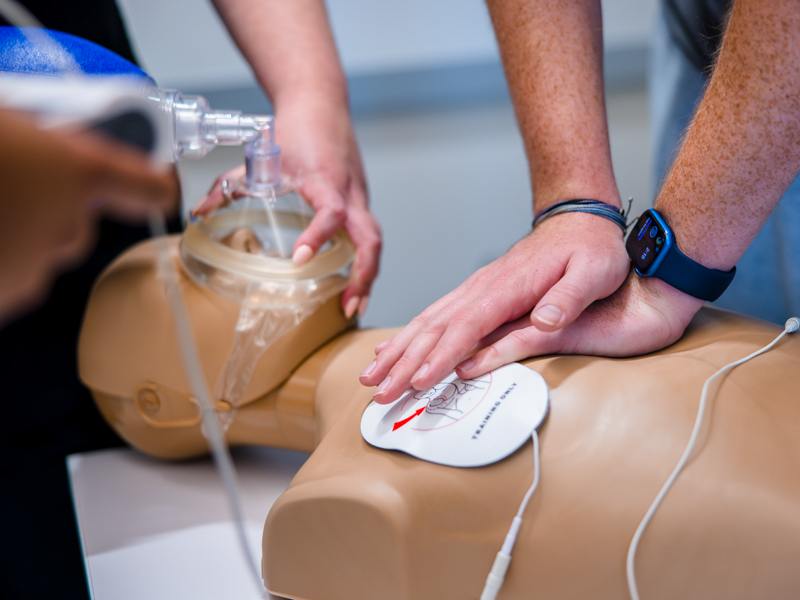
(654, 253)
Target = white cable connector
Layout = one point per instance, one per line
(495, 579)
(792, 325)
(501, 562)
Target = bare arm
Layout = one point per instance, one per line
(291, 49)
(741, 152)
(743, 148)
(552, 54)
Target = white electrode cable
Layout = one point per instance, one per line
(791, 326)
(210, 425)
(496, 576)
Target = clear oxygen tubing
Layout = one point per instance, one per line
(501, 562)
(791, 326)
(210, 425)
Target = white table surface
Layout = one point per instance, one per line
(156, 530)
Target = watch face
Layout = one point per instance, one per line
(646, 242)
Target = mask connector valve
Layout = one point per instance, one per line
(263, 160)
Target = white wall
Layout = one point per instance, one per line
(183, 44)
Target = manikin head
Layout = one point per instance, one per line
(255, 316)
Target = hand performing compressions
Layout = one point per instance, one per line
(319, 152)
(532, 301)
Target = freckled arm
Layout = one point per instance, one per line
(552, 52)
(742, 149)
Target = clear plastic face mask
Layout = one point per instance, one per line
(242, 252)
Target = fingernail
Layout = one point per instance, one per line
(382, 387)
(351, 306)
(381, 346)
(362, 307)
(302, 255)
(420, 372)
(467, 364)
(369, 369)
(548, 314)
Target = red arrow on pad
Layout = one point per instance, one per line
(399, 424)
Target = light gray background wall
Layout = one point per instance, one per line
(447, 171)
(183, 44)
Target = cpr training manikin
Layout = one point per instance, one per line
(360, 522)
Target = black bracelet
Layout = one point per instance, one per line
(595, 207)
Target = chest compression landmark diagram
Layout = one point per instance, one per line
(462, 422)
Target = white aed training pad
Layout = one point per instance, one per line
(462, 422)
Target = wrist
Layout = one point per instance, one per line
(698, 235)
(655, 253)
(601, 187)
(329, 95)
(586, 206)
(678, 302)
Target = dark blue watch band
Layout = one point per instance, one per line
(653, 251)
(692, 278)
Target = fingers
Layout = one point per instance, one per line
(124, 181)
(515, 341)
(335, 211)
(555, 274)
(328, 220)
(640, 317)
(458, 340)
(398, 380)
(365, 232)
(435, 342)
(215, 198)
(134, 195)
(584, 281)
(331, 212)
(72, 239)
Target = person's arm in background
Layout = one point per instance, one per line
(291, 50)
(741, 152)
(552, 54)
(55, 185)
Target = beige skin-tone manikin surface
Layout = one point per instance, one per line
(359, 523)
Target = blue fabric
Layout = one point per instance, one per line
(767, 282)
(19, 55)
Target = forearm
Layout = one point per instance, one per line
(552, 51)
(743, 148)
(291, 49)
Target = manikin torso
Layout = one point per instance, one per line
(363, 523)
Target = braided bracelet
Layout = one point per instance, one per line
(595, 207)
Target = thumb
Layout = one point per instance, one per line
(581, 285)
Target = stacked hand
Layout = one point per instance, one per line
(531, 301)
(319, 150)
